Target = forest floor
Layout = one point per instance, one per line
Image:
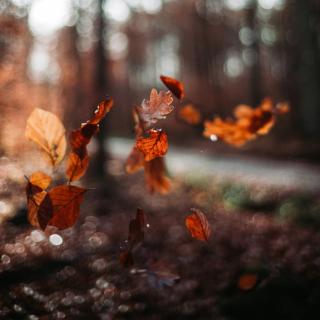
(264, 228)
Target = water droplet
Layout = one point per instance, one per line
(5, 259)
(213, 138)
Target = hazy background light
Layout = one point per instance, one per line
(233, 66)
(246, 36)
(271, 4)
(117, 10)
(118, 45)
(151, 6)
(236, 5)
(48, 16)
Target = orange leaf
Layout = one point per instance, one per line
(175, 86)
(190, 114)
(198, 225)
(66, 200)
(247, 281)
(77, 164)
(103, 108)
(37, 196)
(248, 123)
(135, 161)
(158, 107)
(39, 210)
(155, 177)
(153, 146)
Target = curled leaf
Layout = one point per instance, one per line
(190, 114)
(77, 164)
(158, 107)
(175, 86)
(78, 160)
(153, 146)
(46, 130)
(155, 177)
(198, 225)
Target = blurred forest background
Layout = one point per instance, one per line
(66, 55)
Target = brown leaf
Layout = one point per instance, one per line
(45, 129)
(136, 229)
(135, 161)
(155, 177)
(66, 200)
(198, 225)
(103, 108)
(36, 196)
(77, 164)
(190, 114)
(175, 86)
(153, 146)
(158, 107)
(136, 236)
(247, 281)
(126, 259)
(39, 209)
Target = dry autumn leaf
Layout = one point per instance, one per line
(153, 146)
(36, 196)
(66, 200)
(46, 130)
(190, 114)
(248, 123)
(136, 236)
(135, 161)
(77, 165)
(198, 225)
(247, 281)
(158, 107)
(78, 160)
(175, 86)
(155, 177)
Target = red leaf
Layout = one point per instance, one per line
(247, 281)
(153, 146)
(175, 86)
(66, 200)
(77, 164)
(198, 225)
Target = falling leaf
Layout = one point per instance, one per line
(136, 229)
(46, 130)
(78, 160)
(66, 200)
(77, 165)
(40, 210)
(136, 236)
(40, 180)
(248, 123)
(135, 161)
(198, 225)
(126, 259)
(103, 108)
(158, 107)
(247, 281)
(155, 177)
(36, 196)
(153, 146)
(175, 86)
(190, 114)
